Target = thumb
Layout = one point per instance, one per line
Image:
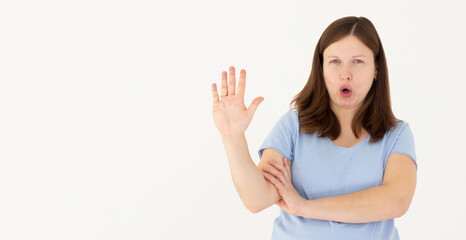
(255, 103)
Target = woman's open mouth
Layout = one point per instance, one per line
(345, 92)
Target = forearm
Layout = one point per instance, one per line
(247, 178)
(369, 205)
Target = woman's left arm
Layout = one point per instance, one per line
(387, 201)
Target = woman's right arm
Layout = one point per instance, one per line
(232, 118)
(254, 190)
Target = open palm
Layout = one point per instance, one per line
(231, 116)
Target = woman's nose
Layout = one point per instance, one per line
(345, 73)
(345, 76)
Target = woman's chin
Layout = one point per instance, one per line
(346, 103)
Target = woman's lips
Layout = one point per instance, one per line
(345, 87)
(345, 92)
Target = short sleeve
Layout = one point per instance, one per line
(404, 143)
(283, 135)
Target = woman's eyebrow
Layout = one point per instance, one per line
(332, 56)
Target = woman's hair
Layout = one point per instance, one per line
(313, 102)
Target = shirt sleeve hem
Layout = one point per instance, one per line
(288, 157)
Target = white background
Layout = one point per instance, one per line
(106, 129)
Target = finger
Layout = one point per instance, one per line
(287, 166)
(224, 88)
(272, 171)
(214, 92)
(232, 81)
(255, 103)
(273, 180)
(280, 175)
(281, 169)
(241, 83)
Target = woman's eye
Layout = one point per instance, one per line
(334, 61)
(358, 61)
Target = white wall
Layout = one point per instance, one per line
(106, 129)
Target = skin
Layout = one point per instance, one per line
(230, 114)
(348, 62)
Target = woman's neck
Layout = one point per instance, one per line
(345, 118)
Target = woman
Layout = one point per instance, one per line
(339, 164)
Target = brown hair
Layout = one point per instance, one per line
(313, 102)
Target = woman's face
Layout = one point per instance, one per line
(349, 71)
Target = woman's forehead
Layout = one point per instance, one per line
(348, 47)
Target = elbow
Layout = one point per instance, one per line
(401, 208)
(257, 205)
(398, 213)
(401, 212)
(253, 208)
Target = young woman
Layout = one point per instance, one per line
(338, 164)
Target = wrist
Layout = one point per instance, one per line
(232, 136)
(302, 206)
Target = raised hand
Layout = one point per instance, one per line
(231, 116)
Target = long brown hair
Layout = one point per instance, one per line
(313, 102)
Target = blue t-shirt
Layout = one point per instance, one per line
(321, 169)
